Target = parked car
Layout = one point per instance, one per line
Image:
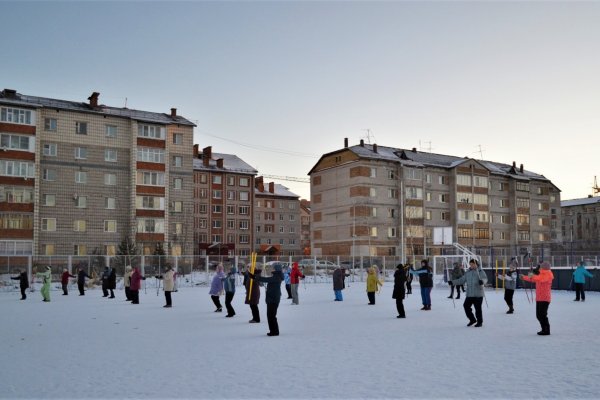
(309, 262)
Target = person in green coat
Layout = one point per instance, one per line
(46, 279)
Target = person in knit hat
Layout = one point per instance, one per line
(579, 278)
(543, 295)
(510, 284)
(47, 279)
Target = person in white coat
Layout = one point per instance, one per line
(168, 284)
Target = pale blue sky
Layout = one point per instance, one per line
(521, 79)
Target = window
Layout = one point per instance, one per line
(217, 238)
(217, 209)
(505, 219)
(443, 180)
(482, 233)
(50, 149)
(244, 196)
(480, 181)
(16, 195)
(202, 178)
(502, 186)
(17, 116)
(373, 213)
(49, 175)
(217, 179)
(150, 203)
(216, 224)
(414, 193)
(464, 233)
(504, 236)
(50, 124)
(80, 177)
(244, 224)
(245, 182)
(445, 216)
(110, 131)
(522, 219)
(231, 210)
(462, 197)
(480, 199)
(203, 193)
(428, 215)
(392, 193)
(281, 229)
(522, 202)
(503, 203)
(49, 224)
(523, 235)
(177, 183)
(151, 131)
(81, 128)
(81, 202)
(110, 179)
(178, 228)
(244, 239)
(244, 210)
(217, 194)
(463, 180)
(177, 161)
(151, 154)
(15, 221)
(49, 200)
(202, 208)
(481, 216)
(110, 249)
(151, 178)
(177, 138)
(15, 142)
(391, 232)
(48, 249)
(413, 212)
(79, 225)
(465, 215)
(292, 229)
(150, 225)
(231, 180)
(413, 174)
(443, 198)
(427, 178)
(428, 196)
(80, 153)
(522, 187)
(177, 206)
(110, 203)
(373, 231)
(203, 223)
(231, 224)
(268, 228)
(79, 249)
(373, 173)
(110, 155)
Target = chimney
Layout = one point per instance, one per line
(206, 155)
(259, 183)
(362, 143)
(374, 147)
(10, 93)
(94, 99)
(196, 150)
(173, 112)
(220, 163)
(414, 149)
(345, 142)
(521, 168)
(271, 187)
(514, 165)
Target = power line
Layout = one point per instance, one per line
(287, 178)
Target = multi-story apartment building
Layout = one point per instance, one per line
(78, 177)
(305, 226)
(277, 220)
(223, 204)
(370, 200)
(580, 229)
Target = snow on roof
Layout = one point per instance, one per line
(231, 163)
(279, 191)
(580, 202)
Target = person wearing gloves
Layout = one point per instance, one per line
(23, 282)
(510, 284)
(46, 279)
(456, 273)
(216, 287)
(373, 284)
(339, 282)
(253, 295)
(229, 287)
(543, 294)
(64, 280)
(579, 279)
(168, 284)
(272, 297)
(399, 291)
(426, 281)
(475, 279)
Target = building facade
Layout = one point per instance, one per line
(277, 220)
(375, 200)
(580, 217)
(305, 226)
(223, 204)
(76, 178)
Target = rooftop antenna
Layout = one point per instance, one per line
(595, 188)
(125, 106)
(480, 152)
(369, 135)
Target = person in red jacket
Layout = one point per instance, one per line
(543, 294)
(64, 280)
(295, 281)
(135, 285)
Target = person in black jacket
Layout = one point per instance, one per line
(105, 276)
(272, 297)
(399, 291)
(81, 275)
(112, 282)
(23, 283)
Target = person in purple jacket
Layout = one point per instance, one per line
(216, 287)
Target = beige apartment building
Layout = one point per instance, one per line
(85, 175)
(376, 200)
(305, 226)
(580, 218)
(223, 204)
(277, 220)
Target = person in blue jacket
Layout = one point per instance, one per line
(229, 287)
(579, 278)
(286, 279)
(425, 274)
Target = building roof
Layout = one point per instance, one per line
(21, 100)
(414, 158)
(580, 202)
(279, 191)
(231, 163)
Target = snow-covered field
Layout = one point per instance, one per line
(93, 347)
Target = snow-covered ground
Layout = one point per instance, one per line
(93, 347)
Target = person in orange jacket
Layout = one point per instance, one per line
(543, 294)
